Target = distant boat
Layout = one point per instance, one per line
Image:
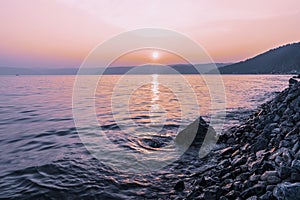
(17, 75)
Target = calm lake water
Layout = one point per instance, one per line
(42, 155)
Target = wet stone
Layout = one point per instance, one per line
(179, 186)
(287, 191)
(230, 141)
(284, 172)
(267, 174)
(239, 161)
(273, 180)
(260, 144)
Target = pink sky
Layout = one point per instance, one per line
(60, 33)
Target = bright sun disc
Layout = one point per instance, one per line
(155, 55)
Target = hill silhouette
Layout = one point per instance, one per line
(282, 60)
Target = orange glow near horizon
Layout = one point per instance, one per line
(61, 33)
(148, 56)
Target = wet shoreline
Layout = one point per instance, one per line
(259, 159)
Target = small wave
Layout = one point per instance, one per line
(112, 126)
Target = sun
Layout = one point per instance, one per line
(155, 55)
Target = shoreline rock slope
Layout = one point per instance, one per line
(260, 159)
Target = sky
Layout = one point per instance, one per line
(61, 33)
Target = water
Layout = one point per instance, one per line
(42, 155)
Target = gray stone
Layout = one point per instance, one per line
(266, 196)
(295, 147)
(257, 189)
(260, 144)
(230, 141)
(270, 187)
(276, 130)
(287, 123)
(276, 118)
(284, 143)
(287, 191)
(284, 172)
(273, 180)
(267, 174)
(239, 161)
(227, 150)
(296, 117)
(296, 165)
(254, 178)
(252, 198)
(295, 176)
(278, 160)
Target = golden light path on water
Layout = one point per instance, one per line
(157, 112)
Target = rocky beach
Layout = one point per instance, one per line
(259, 159)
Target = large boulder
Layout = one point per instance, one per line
(196, 135)
(287, 191)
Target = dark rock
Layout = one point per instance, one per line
(239, 161)
(284, 143)
(298, 76)
(179, 186)
(230, 141)
(287, 191)
(270, 187)
(225, 151)
(277, 119)
(252, 198)
(264, 176)
(245, 176)
(296, 165)
(257, 189)
(284, 172)
(227, 181)
(235, 153)
(296, 117)
(244, 168)
(254, 178)
(194, 134)
(210, 195)
(227, 187)
(273, 180)
(223, 198)
(266, 196)
(206, 181)
(248, 184)
(296, 147)
(267, 166)
(253, 166)
(194, 194)
(295, 176)
(260, 144)
(225, 163)
(292, 82)
(237, 185)
(232, 194)
(226, 176)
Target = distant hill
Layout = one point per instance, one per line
(146, 69)
(281, 60)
